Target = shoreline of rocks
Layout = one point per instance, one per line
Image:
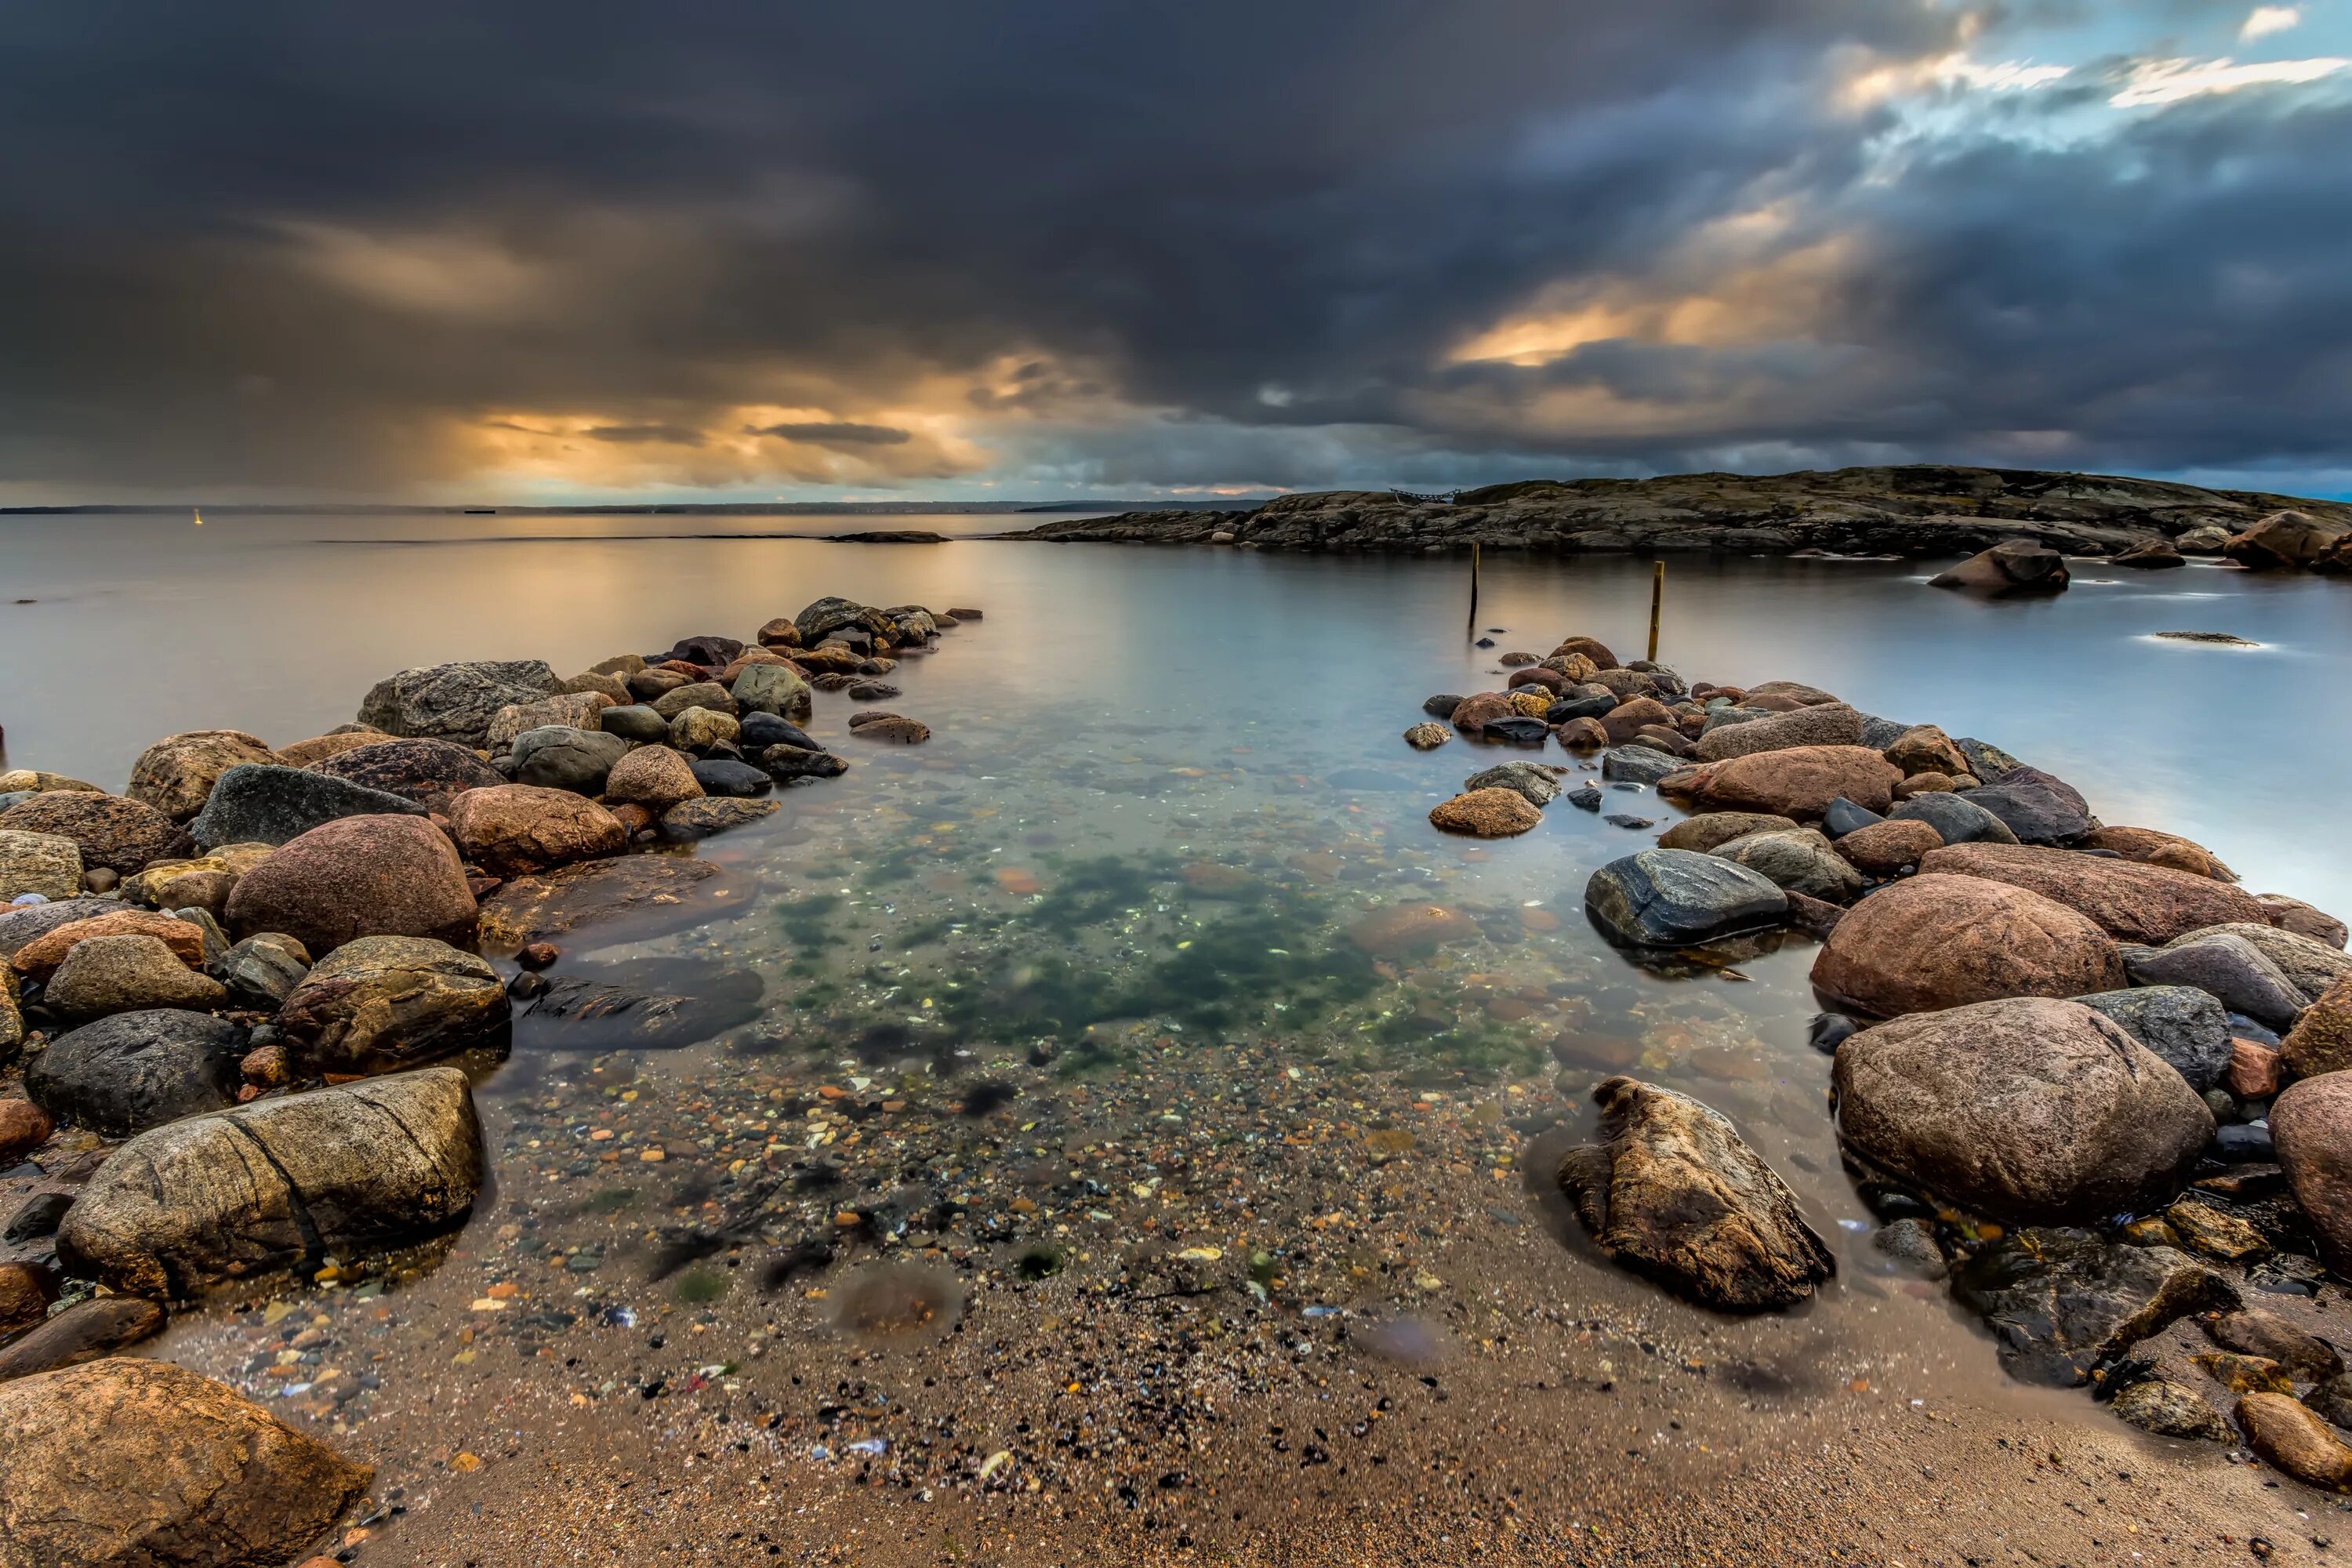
(240, 1002)
(2078, 1072)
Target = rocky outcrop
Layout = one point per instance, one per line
(1935, 942)
(1674, 1193)
(361, 876)
(1676, 898)
(2012, 569)
(380, 1003)
(131, 1463)
(455, 701)
(2130, 901)
(261, 802)
(278, 1182)
(2288, 540)
(2025, 1110)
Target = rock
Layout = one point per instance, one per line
(263, 803)
(699, 729)
(1428, 737)
(282, 1180)
(2149, 554)
(1826, 724)
(1636, 764)
(696, 694)
(1589, 648)
(2311, 1129)
(1440, 706)
(261, 970)
(692, 819)
(1470, 714)
(2321, 1040)
(1799, 861)
(455, 701)
(359, 876)
(1674, 1194)
(2310, 966)
(94, 1327)
(612, 688)
(1925, 784)
(384, 1004)
(2332, 1399)
(905, 731)
(23, 926)
(1579, 734)
(2036, 807)
(2252, 1331)
(2149, 848)
(1799, 781)
(637, 724)
(2207, 1230)
(2291, 1437)
(132, 1071)
(108, 830)
(707, 649)
(1538, 783)
(758, 731)
(1936, 942)
(656, 1004)
(22, 781)
(654, 777)
(24, 1127)
(571, 709)
(1486, 814)
(644, 895)
(38, 959)
(2287, 540)
(788, 764)
(1925, 748)
(1708, 829)
(2227, 966)
(2294, 915)
(2059, 1301)
(1957, 819)
(729, 776)
(1883, 848)
(1625, 720)
(2148, 904)
(559, 757)
(831, 615)
(2185, 1027)
(318, 748)
(2168, 1410)
(176, 776)
(2254, 1071)
(125, 973)
(2013, 568)
(2021, 1109)
(428, 771)
(1674, 898)
(646, 685)
(131, 1463)
(1842, 817)
(514, 830)
(203, 882)
(1912, 1243)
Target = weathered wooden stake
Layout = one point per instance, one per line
(1657, 594)
(1473, 590)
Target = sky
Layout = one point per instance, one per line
(722, 251)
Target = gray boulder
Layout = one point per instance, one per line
(2311, 966)
(384, 1003)
(2037, 808)
(2061, 1300)
(830, 614)
(125, 1074)
(261, 802)
(126, 973)
(28, 923)
(455, 701)
(1799, 860)
(773, 688)
(635, 721)
(261, 970)
(1986, 760)
(1824, 724)
(2184, 1026)
(1956, 816)
(2224, 965)
(1638, 764)
(556, 756)
(1880, 734)
(691, 819)
(279, 1181)
(1674, 898)
(1537, 783)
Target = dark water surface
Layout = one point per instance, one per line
(1141, 912)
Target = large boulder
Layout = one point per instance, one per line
(126, 973)
(1796, 859)
(1674, 898)
(176, 776)
(427, 771)
(455, 701)
(334, 742)
(127, 1073)
(655, 777)
(278, 1182)
(695, 694)
(512, 829)
(1885, 849)
(2132, 903)
(2321, 1040)
(1625, 720)
(2311, 966)
(2061, 1301)
(2013, 568)
(830, 615)
(1486, 814)
(1797, 781)
(130, 1463)
(1710, 829)
(382, 1004)
(38, 959)
(2026, 1110)
(2151, 847)
(45, 863)
(361, 875)
(2184, 1026)
(775, 689)
(1824, 724)
(2304, 920)
(1674, 1193)
(2228, 966)
(262, 802)
(110, 831)
(574, 709)
(556, 756)
(2037, 808)
(26, 923)
(2311, 1128)
(2286, 541)
(1955, 818)
(1935, 942)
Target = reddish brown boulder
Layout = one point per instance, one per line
(2253, 1070)
(2321, 1040)
(1799, 782)
(1883, 849)
(1581, 734)
(24, 1127)
(2311, 1128)
(358, 876)
(2284, 542)
(655, 777)
(1925, 748)
(1551, 680)
(176, 774)
(1938, 941)
(1597, 652)
(1470, 717)
(2284, 1431)
(2012, 567)
(40, 957)
(1486, 814)
(110, 831)
(2304, 920)
(1626, 720)
(424, 769)
(2150, 904)
(515, 829)
(2149, 848)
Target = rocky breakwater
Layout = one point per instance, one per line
(1915, 510)
(2079, 1073)
(241, 1003)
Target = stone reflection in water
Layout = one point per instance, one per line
(897, 1300)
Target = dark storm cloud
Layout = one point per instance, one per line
(321, 249)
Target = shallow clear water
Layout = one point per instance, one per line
(1146, 880)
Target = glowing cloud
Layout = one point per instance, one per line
(2264, 20)
(2170, 81)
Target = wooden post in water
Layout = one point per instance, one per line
(1657, 594)
(1473, 590)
